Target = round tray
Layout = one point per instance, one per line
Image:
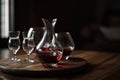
(71, 66)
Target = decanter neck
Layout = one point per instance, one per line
(50, 29)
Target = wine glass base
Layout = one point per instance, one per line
(30, 60)
(14, 59)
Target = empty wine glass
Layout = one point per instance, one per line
(14, 44)
(67, 43)
(28, 45)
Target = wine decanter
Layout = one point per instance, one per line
(49, 50)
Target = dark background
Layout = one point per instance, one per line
(82, 18)
(71, 14)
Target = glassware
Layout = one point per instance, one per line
(14, 44)
(49, 50)
(28, 45)
(67, 43)
(39, 32)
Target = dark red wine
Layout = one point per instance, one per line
(66, 51)
(50, 56)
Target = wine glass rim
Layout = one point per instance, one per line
(26, 31)
(67, 32)
(14, 34)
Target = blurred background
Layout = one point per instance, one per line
(93, 24)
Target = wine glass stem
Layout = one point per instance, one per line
(14, 58)
(27, 57)
(14, 55)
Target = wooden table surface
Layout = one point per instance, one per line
(103, 66)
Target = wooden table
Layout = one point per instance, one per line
(103, 66)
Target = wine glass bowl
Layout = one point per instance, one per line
(65, 39)
(14, 44)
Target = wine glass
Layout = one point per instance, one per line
(67, 43)
(14, 44)
(28, 45)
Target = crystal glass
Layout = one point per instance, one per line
(49, 50)
(28, 45)
(67, 43)
(39, 32)
(14, 44)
